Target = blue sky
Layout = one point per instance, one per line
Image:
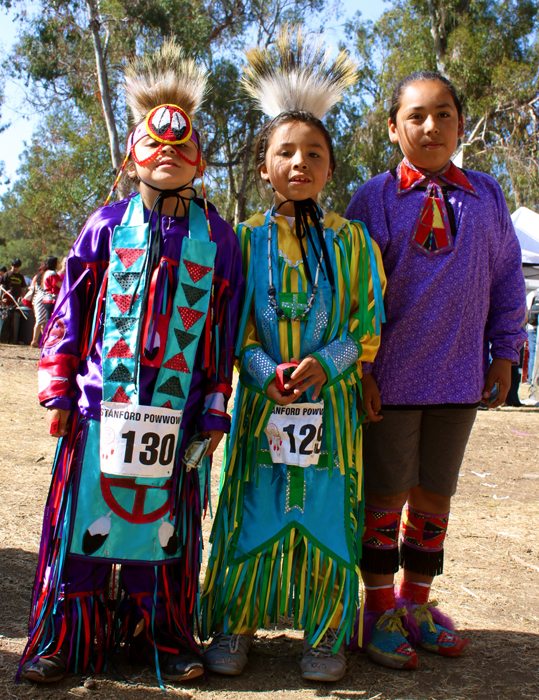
(22, 122)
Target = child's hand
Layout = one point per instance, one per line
(308, 373)
(57, 420)
(283, 399)
(500, 372)
(215, 436)
(371, 398)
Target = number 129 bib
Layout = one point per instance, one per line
(138, 441)
(295, 434)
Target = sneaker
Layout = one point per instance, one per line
(47, 669)
(228, 653)
(388, 646)
(320, 663)
(180, 667)
(434, 636)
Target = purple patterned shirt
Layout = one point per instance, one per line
(444, 313)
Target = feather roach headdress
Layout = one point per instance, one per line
(164, 90)
(297, 76)
(164, 77)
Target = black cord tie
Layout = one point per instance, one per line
(303, 210)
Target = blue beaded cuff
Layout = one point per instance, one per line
(259, 365)
(338, 356)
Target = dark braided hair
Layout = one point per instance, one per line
(270, 127)
(418, 77)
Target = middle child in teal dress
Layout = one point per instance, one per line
(287, 534)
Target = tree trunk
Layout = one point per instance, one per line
(231, 189)
(103, 82)
(437, 29)
(240, 213)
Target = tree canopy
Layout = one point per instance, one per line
(71, 56)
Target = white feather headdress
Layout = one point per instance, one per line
(298, 76)
(164, 77)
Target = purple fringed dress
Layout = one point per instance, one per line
(72, 599)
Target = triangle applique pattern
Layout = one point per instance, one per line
(121, 374)
(128, 256)
(193, 294)
(178, 363)
(120, 396)
(196, 271)
(125, 279)
(189, 316)
(120, 349)
(167, 404)
(173, 387)
(123, 324)
(184, 338)
(123, 301)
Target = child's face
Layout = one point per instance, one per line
(297, 162)
(428, 125)
(168, 171)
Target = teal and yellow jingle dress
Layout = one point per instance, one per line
(286, 539)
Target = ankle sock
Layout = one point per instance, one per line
(414, 592)
(380, 598)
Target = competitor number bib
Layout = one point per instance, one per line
(138, 441)
(294, 433)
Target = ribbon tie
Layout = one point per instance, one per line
(432, 232)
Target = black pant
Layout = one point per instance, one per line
(13, 322)
(512, 397)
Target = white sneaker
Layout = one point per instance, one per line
(320, 663)
(228, 653)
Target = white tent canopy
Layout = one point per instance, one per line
(526, 223)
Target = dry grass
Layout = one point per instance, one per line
(490, 584)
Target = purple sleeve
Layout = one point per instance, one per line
(367, 205)
(68, 332)
(505, 323)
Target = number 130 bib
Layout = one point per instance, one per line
(295, 433)
(138, 441)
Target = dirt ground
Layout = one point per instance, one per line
(490, 584)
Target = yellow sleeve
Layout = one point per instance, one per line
(371, 343)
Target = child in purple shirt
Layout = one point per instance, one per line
(455, 298)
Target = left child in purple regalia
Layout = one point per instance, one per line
(141, 340)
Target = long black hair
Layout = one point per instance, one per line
(421, 76)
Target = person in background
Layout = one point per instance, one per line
(13, 287)
(40, 313)
(3, 271)
(532, 304)
(51, 283)
(62, 270)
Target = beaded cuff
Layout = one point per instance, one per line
(338, 356)
(259, 365)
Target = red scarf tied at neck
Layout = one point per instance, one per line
(432, 232)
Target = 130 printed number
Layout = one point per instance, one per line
(156, 449)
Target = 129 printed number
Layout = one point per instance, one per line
(310, 433)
